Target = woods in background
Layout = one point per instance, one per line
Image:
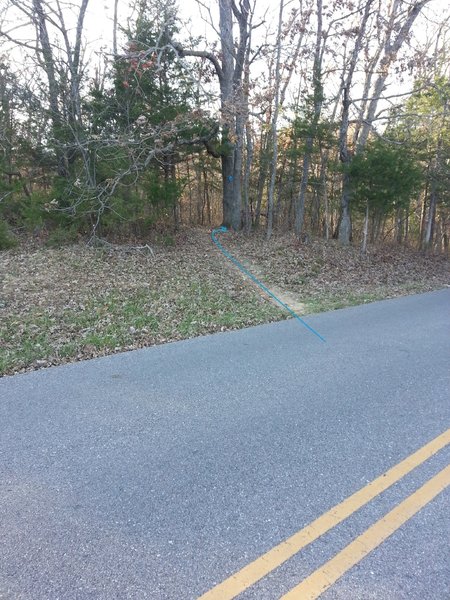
(329, 120)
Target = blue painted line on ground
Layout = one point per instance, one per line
(259, 283)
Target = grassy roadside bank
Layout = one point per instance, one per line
(74, 303)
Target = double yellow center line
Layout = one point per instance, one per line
(314, 585)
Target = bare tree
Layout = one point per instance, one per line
(272, 94)
(344, 155)
(274, 125)
(229, 68)
(396, 33)
(60, 59)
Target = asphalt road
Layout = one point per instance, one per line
(161, 472)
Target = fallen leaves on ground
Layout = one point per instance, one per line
(76, 302)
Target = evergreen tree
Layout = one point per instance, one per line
(383, 178)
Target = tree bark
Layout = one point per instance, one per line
(233, 102)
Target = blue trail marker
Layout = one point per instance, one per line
(223, 229)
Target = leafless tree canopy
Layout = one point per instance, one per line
(261, 123)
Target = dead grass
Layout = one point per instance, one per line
(74, 303)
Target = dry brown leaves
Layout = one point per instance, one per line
(320, 269)
(45, 285)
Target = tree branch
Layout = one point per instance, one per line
(182, 52)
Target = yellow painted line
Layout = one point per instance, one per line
(319, 581)
(260, 567)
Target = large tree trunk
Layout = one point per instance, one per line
(229, 208)
(229, 68)
(227, 108)
(234, 105)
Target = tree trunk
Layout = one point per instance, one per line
(233, 102)
(345, 225)
(429, 231)
(262, 177)
(230, 218)
(274, 125)
(365, 230)
(317, 109)
(246, 186)
(435, 170)
(115, 23)
(344, 234)
(48, 64)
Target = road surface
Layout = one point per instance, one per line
(162, 472)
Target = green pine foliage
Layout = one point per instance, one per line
(146, 105)
(424, 124)
(7, 240)
(384, 177)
